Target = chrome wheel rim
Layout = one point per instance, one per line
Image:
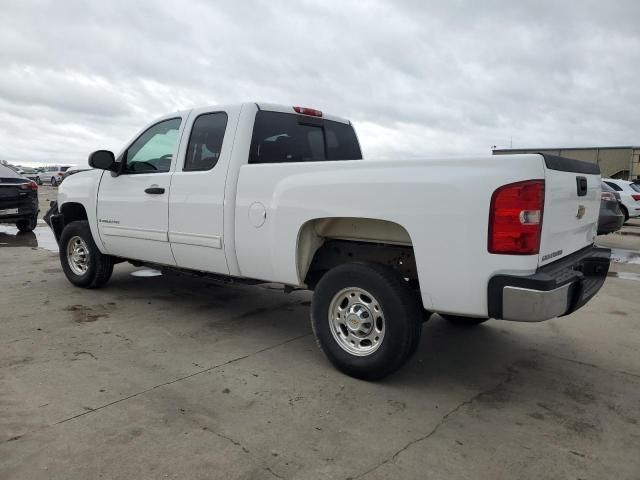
(78, 255)
(357, 321)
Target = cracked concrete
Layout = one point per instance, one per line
(176, 377)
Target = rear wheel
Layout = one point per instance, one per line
(27, 224)
(625, 212)
(38, 181)
(463, 321)
(83, 264)
(366, 319)
(54, 182)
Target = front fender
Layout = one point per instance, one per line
(82, 188)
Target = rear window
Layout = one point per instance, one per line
(283, 137)
(64, 169)
(614, 186)
(607, 188)
(635, 186)
(7, 172)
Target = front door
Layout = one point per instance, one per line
(133, 207)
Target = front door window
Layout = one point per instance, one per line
(153, 151)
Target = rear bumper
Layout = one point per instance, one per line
(610, 221)
(557, 289)
(26, 207)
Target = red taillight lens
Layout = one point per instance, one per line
(515, 218)
(60, 173)
(29, 186)
(636, 197)
(308, 111)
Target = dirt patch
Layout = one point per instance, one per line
(14, 361)
(579, 394)
(84, 314)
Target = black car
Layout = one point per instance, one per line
(611, 217)
(18, 200)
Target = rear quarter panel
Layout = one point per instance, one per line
(443, 205)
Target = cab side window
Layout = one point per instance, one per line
(153, 151)
(205, 142)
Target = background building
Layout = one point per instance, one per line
(615, 162)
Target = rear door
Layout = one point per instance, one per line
(196, 203)
(571, 207)
(133, 207)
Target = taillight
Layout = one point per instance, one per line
(636, 197)
(60, 173)
(29, 186)
(608, 196)
(308, 111)
(515, 218)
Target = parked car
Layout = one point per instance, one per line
(629, 196)
(610, 218)
(271, 193)
(54, 173)
(18, 200)
(73, 171)
(30, 173)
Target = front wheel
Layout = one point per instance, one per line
(366, 319)
(54, 182)
(83, 264)
(38, 181)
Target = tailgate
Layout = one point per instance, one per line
(571, 207)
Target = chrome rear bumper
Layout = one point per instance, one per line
(557, 289)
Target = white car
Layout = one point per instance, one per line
(30, 173)
(629, 196)
(281, 194)
(54, 173)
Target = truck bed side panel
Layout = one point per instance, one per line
(443, 208)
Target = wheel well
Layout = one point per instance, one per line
(327, 242)
(624, 209)
(73, 211)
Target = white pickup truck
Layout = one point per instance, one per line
(281, 194)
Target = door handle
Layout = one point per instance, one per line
(581, 186)
(154, 190)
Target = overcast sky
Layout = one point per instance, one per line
(417, 78)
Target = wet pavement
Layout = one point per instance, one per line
(41, 237)
(621, 255)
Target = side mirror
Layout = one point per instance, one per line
(103, 159)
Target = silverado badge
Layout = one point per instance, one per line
(581, 211)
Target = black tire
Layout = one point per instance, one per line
(38, 181)
(99, 266)
(402, 319)
(54, 182)
(625, 212)
(463, 321)
(27, 224)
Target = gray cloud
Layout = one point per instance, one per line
(418, 78)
